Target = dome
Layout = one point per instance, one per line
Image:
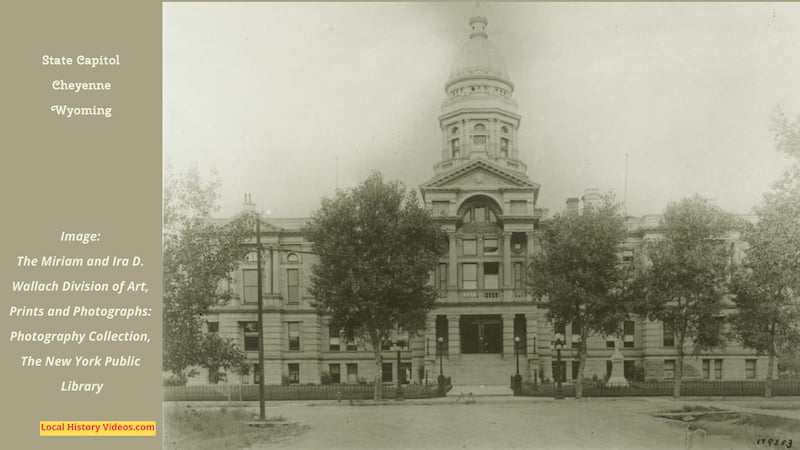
(478, 57)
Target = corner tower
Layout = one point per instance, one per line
(479, 117)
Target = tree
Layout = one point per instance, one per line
(767, 288)
(377, 247)
(683, 277)
(198, 256)
(579, 273)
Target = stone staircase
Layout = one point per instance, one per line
(480, 370)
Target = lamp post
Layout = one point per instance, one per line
(440, 379)
(517, 384)
(559, 343)
(399, 347)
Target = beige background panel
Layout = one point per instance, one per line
(87, 174)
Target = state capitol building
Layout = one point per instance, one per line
(480, 193)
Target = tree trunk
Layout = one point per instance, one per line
(768, 383)
(676, 389)
(378, 386)
(582, 362)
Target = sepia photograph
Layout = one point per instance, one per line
(422, 225)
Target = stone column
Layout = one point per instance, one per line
(508, 336)
(276, 268)
(453, 336)
(530, 323)
(452, 269)
(507, 271)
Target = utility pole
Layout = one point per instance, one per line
(261, 406)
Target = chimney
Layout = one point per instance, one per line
(248, 204)
(592, 198)
(572, 206)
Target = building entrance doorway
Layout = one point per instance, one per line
(481, 334)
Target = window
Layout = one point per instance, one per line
(706, 369)
(335, 371)
(669, 334)
(250, 285)
(250, 332)
(441, 277)
(294, 335)
(479, 142)
(627, 256)
(352, 373)
(213, 327)
(750, 369)
(387, 372)
(293, 283)
(490, 246)
(519, 276)
(718, 369)
(556, 371)
(333, 338)
(669, 369)
(504, 146)
(491, 275)
(479, 214)
(575, 367)
(560, 328)
(610, 342)
(629, 369)
(576, 334)
(469, 247)
(628, 327)
(470, 280)
(294, 373)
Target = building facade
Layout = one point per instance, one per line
(484, 322)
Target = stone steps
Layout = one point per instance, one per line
(480, 370)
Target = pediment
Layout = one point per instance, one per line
(479, 175)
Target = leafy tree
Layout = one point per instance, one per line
(684, 276)
(580, 275)
(198, 256)
(767, 289)
(377, 247)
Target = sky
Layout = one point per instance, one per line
(287, 101)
